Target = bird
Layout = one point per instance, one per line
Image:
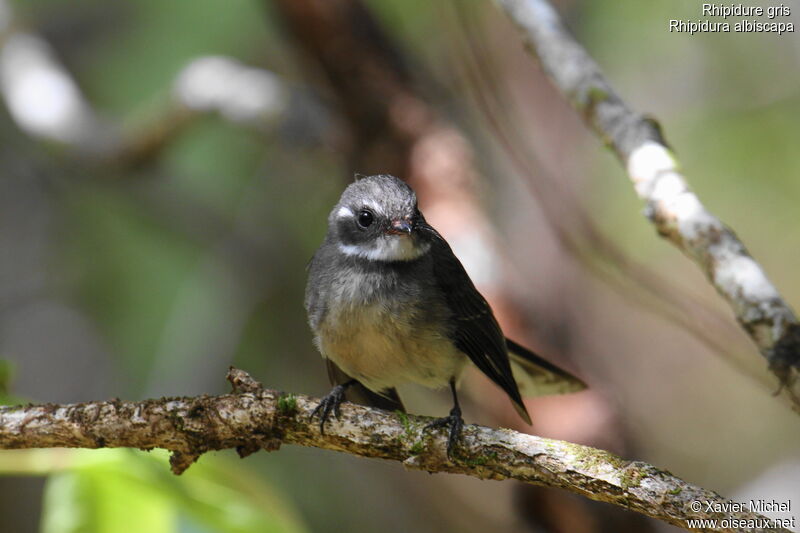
(389, 303)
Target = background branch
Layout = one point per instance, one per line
(673, 208)
(252, 418)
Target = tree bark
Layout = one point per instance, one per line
(252, 418)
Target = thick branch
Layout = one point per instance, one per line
(673, 208)
(252, 418)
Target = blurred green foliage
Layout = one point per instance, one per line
(6, 375)
(127, 491)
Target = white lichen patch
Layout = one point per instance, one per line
(13, 418)
(668, 189)
(695, 224)
(741, 278)
(654, 173)
(648, 164)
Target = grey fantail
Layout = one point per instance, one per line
(389, 303)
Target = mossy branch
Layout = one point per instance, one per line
(252, 418)
(672, 207)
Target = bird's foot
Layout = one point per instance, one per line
(456, 424)
(330, 403)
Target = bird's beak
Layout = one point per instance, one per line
(400, 227)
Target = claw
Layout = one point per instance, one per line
(331, 402)
(456, 424)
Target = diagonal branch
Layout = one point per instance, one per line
(252, 418)
(674, 209)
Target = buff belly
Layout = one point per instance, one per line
(383, 347)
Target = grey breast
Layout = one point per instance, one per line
(383, 323)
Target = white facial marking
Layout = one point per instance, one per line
(388, 248)
(344, 212)
(374, 207)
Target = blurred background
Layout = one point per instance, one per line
(166, 169)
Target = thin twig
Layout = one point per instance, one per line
(252, 418)
(674, 209)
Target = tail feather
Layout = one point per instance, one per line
(536, 376)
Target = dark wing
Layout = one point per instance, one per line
(475, 330)
(387, 400)
(538, 377)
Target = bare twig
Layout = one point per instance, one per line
(252, 418)
(673, 208)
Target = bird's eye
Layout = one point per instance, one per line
(365, 218)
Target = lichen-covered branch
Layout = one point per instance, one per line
(674, 209)
(252, 418)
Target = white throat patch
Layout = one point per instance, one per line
(387, 248)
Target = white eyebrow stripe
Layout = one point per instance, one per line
(374, 207)
(344, 212)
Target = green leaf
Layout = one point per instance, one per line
(100, 500)
(126, 491)
(222, 494)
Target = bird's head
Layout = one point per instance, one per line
(377, 219)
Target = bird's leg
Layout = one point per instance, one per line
(454, 420)
(330, 404)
